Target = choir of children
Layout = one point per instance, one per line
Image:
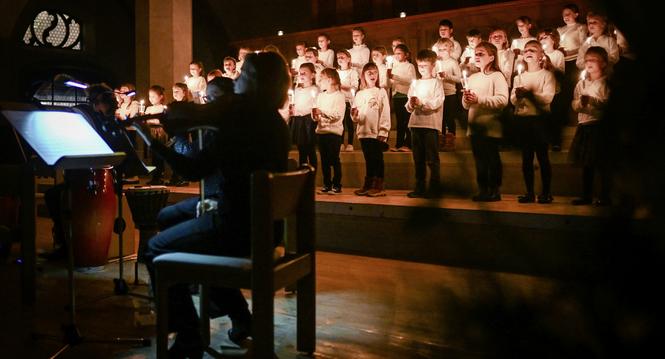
(354, 91)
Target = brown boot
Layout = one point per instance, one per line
(377, 188)
(366, 187)
(449, 145)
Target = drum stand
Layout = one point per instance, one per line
(72, 336)
(119, 285)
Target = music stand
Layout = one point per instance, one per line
(65, 140)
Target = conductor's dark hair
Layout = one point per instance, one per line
(267, 78)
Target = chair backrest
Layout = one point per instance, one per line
(279, 196)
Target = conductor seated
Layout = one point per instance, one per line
(251, 136)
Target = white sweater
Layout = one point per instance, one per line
(403, 73)
(557, 59)
(383, 76)
(492, 92)
(431, 96)
(303, 100)
(453, 75)
(327, 57)
(348, 77)
(506, 64)
(609, 43)
(571, 38)
(599, 93)
(373, 113)
(359, 56)
(332, 106)
(197, 87)
(542, 85)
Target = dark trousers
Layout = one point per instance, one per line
(450, 113)
(349, 126)
(426, 152)
(329, 148)
(532, 131)
(587, 182)
(196, 235)
(402, 116)
(307, 154)
(489, 170)
(373, 153)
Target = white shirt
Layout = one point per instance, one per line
(520, 42)
(348, 77)
(373, 113)
(359, 56)
(599, 92)
(383, 76)
(430, 112)
(453, 75)
(332, 106)
(557, 59)
(327, 57)
(609, 43)
(303, 100)
(571, 38)
(542, 85)
(492, 92)
(403, 73)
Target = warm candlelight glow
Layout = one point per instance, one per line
(402, 14)
(434, 48)
(465, 79)
(389, 61)
(186, 78)
(280, 33)
(313, 93)
(353, 92)
(583, 77)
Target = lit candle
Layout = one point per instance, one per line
(514, 45)
(439, 66)
(291, 99)
(353, 92)
(313, 93)
(563, 37)
(434, 48)
(141, 106)
(520, 69)
(583, 77)
(293, 64)
(390, 60)
(402, 14)
(588, 40)
(465, 80)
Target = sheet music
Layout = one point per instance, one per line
(54, 134)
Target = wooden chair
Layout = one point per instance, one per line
(274, 196)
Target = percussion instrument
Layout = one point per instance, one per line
(145, 202)
(93, 208)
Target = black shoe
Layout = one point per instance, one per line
(581, 201)
(603, 202)
(57, 254)
(324, 190)
(240, 331)
(556, 148)
(545, 198)
(186, 346)
(177, 183)
(480, 197)
(527, 198)
(493, 196)
(155, 182)
(336, 190)
(416, 194)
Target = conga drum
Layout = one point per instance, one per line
(93, 210)
(145, 202)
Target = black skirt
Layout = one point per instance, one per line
(588, 147)
(303, 130)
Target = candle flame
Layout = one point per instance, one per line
(583, 75)
(313, 93)
(520, 68)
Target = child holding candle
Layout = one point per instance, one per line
(326, 54)
(524, 25)
(588, 148)
(328, 113)
(156, 97)
(371, 111)
(303, 128)
(554, 61)
(379, 58)
(401, 75)
(196, 83)
(230, 68)
(446, 32)
(359, 52)
(449, 72)
(485, 97)
(426, 97)
(531, 96)
(598, 36)
(312, 57)
(348, 84)
(499, 38)
(467, 61)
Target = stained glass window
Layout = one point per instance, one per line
(51, 29)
